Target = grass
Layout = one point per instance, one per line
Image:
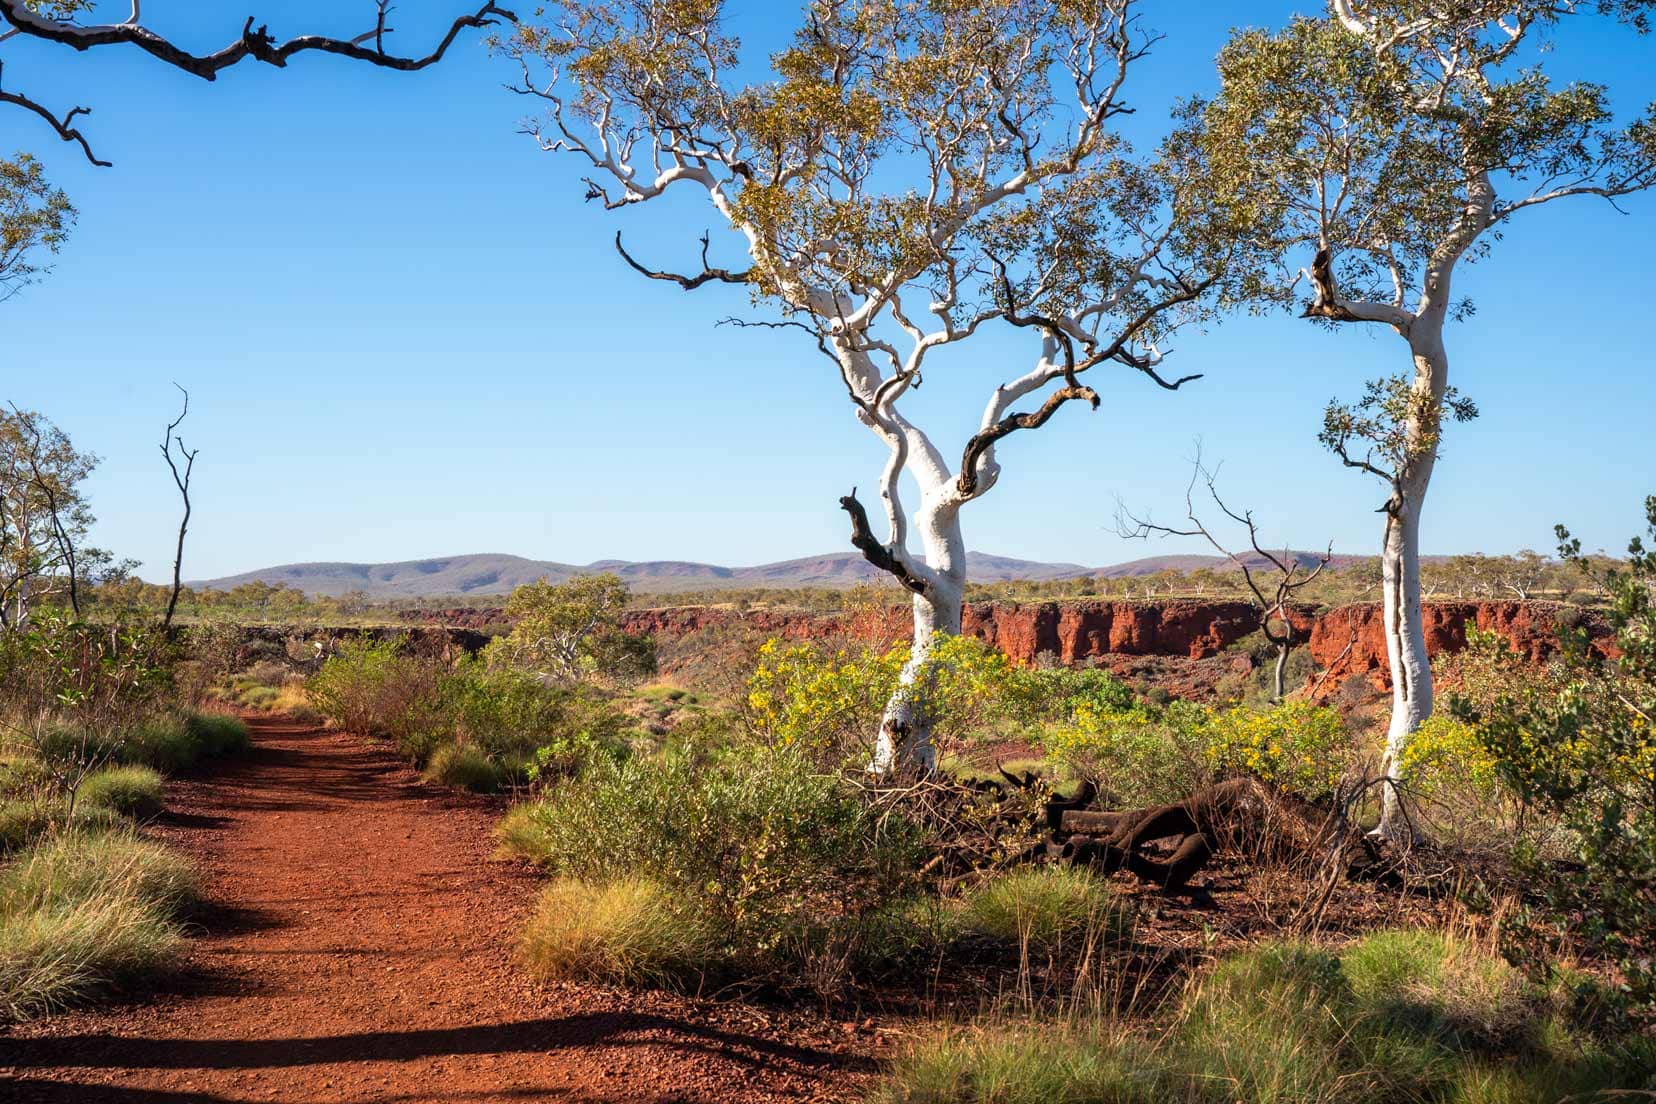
(80, 913)
(24, 820)
(463, 767)
(76, 866)
(1287, 1023)
(134, 792)
(1026, 1065)
(627, 930)
(1043, 906)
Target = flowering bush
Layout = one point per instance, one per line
(829, 703)
(1297, 746)
(1445, 755)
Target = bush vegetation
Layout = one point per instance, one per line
(134, 792)
(81, 912)
(1406, 1016)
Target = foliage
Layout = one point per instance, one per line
(130, 791)
(463, 767)
(1406, 1016)
(79, 912)
(1150, 755)
(829, 702)
(627, 930)
(771, 850)
(1043, 906)
(1586, 752)
(572, 631)
(33, 216)
(367, 686)
(1142, 755)
(1295, 745)
(23, 820)
(95, 675)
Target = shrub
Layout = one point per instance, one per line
(130, 791)
(163, 742)
(368, 686)
(1043, 906)
(216, 734)
(829, 703)
(52, 957)
(1036, 1064)
(463, 767)
(1439, 986)
(1295, 745)
(626, 930)
(24, 820)
(1265, 1026)
(74, 867)
(768, 846)
(1137, 756)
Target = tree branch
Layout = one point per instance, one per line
(862, 539)
(64, 130)
(688, 283)
(182, 481)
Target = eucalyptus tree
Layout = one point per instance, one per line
(1397, 140)
(904, 175)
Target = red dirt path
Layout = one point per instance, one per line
(360, 949)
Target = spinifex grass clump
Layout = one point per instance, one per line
(1045, 906)
(79, 913)
(1409, 1016)
(626, 930)
(134, 792)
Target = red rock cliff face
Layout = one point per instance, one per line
(1348, 639)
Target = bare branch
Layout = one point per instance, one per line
(182, 481)
(64, 130)
(862, 539)
(688, 283)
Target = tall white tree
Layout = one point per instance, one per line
(905, 174)
(1397, 139)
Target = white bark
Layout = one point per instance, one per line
(904, 743)
(1411, 669)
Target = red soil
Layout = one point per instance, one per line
(360, 949)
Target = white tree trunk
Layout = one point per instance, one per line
(1411, 670)
(904, 742)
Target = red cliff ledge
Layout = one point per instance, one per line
(1347, 641)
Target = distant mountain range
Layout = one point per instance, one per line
(494, 573)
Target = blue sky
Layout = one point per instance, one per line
(406, 336)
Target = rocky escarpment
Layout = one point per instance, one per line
(1346, 642)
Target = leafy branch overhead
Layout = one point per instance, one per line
(58, 21)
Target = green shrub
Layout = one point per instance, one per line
(61, 743)
(1266, 1026)
(1036, 1064)
(73, 867)
(1137, 756)
(1045, 905)
(627, 930)
(130, 791)
(163, 742)
(782, 859)
(463, 767)
(217, 734)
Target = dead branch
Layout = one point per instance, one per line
(863, 539)
(182, 481)
(257, 44)
(688, 283)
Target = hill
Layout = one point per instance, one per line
(494, 573)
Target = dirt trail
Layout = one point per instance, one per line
(360, 949)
